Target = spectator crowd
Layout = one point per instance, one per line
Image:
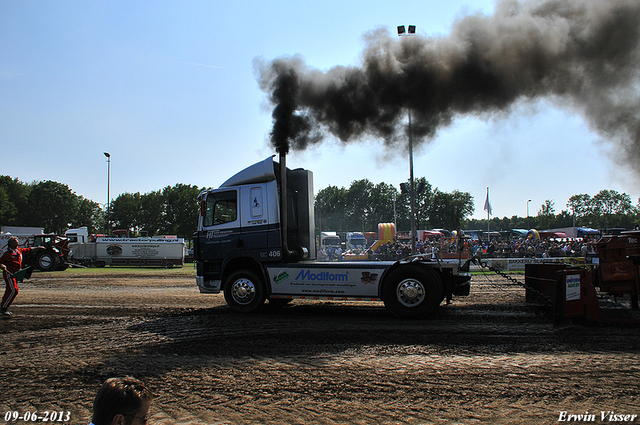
(498, 247)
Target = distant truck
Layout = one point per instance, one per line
(329, 240)
(424, 235)
(356, 240)
(578, 232)
(386, 233)
(167, 251)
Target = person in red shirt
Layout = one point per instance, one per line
(11, 262)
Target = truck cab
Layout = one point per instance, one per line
(356, 240)
(79, 235)
(239, 226)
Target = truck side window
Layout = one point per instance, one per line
(222, 208)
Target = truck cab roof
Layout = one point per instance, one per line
(260, 172)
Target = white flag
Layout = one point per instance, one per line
(487, 205)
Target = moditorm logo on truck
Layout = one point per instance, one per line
(322, 276)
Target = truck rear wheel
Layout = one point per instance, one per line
(244, 292)
(412, 292)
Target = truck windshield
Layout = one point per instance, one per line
(222, 207)
(331, 241)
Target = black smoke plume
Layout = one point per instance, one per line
(581, 54)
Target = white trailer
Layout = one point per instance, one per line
(19, 232)
(161, 252)
(22, 230)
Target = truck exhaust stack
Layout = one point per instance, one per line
(287, 253)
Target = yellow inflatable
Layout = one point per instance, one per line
(533, 234)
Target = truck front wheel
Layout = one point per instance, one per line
(412, 292)
(244, 292)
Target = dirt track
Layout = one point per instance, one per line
(487, 358)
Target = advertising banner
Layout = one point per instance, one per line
(326, 282)
(147, 251)
(573, 287)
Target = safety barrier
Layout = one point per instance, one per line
(518, 264)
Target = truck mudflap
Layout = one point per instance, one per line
(208, 286)
(463, 286)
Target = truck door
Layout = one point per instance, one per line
(220, 229)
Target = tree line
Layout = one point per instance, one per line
(606, 210)
(54, 206)
(360, 207)
(364, 204)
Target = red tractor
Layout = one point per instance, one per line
(52, 256)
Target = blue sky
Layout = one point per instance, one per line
(169, 90)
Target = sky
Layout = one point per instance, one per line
(169, 89)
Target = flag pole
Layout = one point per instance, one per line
(487, 208)
(488, 212)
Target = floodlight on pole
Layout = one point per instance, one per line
(528, 213)
(412, 190)
(410, 30)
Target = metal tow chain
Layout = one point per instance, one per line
(485, 265)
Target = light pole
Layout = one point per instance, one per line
(412, 191)
(528, 213)
(108, 155)
(395, 219)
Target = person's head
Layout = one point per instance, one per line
(122, 401)
(13, 243)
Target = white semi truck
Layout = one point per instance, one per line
(356, 240)
(255, 241)
(329, 240)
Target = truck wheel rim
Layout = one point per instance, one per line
(46, 261)
(243, 291)
(410, 292)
